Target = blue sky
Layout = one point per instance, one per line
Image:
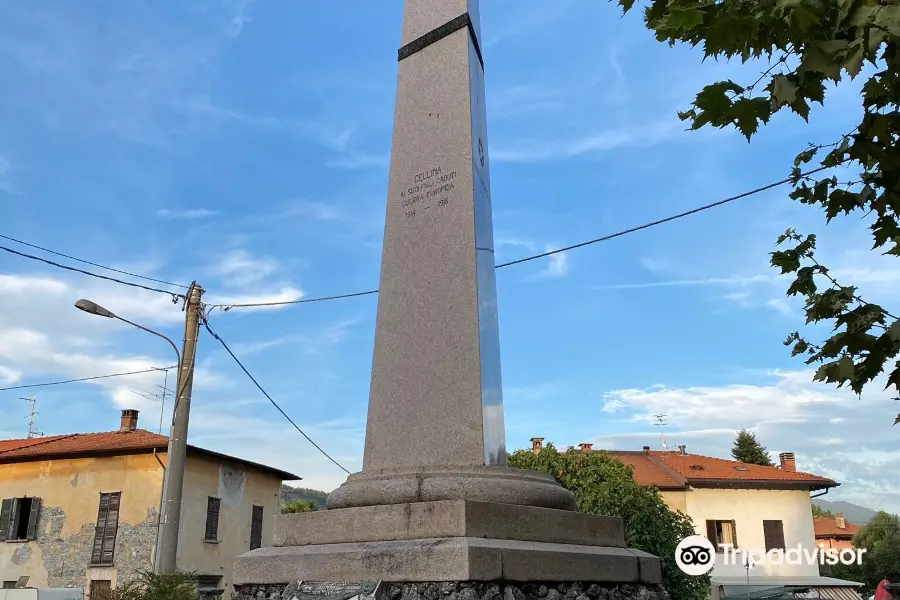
(244, 144)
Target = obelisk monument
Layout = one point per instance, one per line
(435, 501)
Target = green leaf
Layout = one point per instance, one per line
(685, 18)
(747, 113)
(626, 5)
(893, 332)
(854, 61)
(784, 91)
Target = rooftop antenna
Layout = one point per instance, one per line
(32, 416)
(661, 423)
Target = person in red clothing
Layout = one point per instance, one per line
(881, 592)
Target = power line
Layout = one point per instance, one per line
(266, 394)
(98, 276)
(227, 307)
(93, 264)
(34, 385)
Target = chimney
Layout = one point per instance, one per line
(537, 444)
(787, 461)
(647, 449)
(585, 447)
(839, 520)
(129, 420)
(682, 449)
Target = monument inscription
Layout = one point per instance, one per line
(427, 189)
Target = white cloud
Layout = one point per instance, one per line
(832, 432)
(5, 185)
(8, 375)
(555, 265)
(543, 150)
(188, 214)
(239, 268)
(285, 294)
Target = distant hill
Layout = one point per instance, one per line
(852, 512)
(289, 494)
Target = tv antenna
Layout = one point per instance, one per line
(32, 416)
(661, 423)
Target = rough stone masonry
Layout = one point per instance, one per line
(435, 500)
(476, 591)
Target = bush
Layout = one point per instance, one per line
(603, 485)
(150, 586)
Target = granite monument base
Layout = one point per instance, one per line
(454, 540)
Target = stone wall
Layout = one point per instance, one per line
(472, 591)
(67, 560)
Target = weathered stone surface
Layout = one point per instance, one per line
(453, 518)
(452, 559)
(506, 590)
(67, 558)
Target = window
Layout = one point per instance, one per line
(100, 589)
(721, 534)
(256, 523)
(104, 548)
(773, 531)
(212, 520)
(209, 587)
(19, 519)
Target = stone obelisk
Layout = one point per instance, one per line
(435, 501)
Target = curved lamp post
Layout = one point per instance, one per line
(92, 308)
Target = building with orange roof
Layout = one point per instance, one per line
(834, 532)
(744, 506)
(82, 510)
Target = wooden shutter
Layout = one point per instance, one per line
(33, 515)
(773, 531)
(711, 533)
(111, 529)
(14, 519)
(100, 530)
(734, 541)
(256, 528)
(5, 517)
(212, 519)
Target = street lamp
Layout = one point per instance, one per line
(92, 308)
(164, 560)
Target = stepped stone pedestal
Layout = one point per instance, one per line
(435, 501)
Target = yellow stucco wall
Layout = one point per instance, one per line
(238, 488)
(70, 489)
(70, 493)
(675, 500)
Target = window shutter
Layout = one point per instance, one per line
(111, 529)
(773, 531)
(99, 530)
(711, 533)
(14, 520)
(256, 528)
(734, 540)
(33, 518)
(212, 519)
(5, 517)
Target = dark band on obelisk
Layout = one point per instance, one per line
(439, 33)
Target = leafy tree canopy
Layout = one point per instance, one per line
(299, 506)
(810, 44)
(748, 449)
(603, 485)
(818, 511)
(881, 539)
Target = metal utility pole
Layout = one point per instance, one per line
(173, 486)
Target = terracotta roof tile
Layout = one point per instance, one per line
(672, 469)
(649, 472)
(705, 468)
(827, 528)
(101, 443)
